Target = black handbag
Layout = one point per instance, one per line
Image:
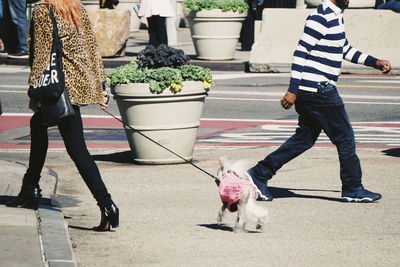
(53, 113)
(49, 89)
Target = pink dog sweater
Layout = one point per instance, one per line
(230, 187)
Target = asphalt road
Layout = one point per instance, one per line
(247, 96)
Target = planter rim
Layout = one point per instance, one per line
(142, 90)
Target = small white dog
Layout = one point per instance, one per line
(238, 194)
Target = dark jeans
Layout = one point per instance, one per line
(157, 31)
(71, 130)
(19, 20)
(323, 110)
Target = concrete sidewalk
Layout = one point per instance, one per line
(168, 215)
(139, 40)
(28, 237)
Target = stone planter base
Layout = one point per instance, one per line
(170, 119)
(112, 40)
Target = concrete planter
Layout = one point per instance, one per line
(215, 33)
(353, 3)
(170, 119)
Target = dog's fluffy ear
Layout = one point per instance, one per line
(240, 167)
(225, 163)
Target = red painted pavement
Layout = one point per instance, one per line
(210, 126)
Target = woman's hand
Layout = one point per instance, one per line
(106, 98)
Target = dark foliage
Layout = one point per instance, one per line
(162, 56)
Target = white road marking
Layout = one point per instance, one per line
(6, 86)
(367, 134)
(378, 81)
(228, 76)
(380, 97)
(277, 100)
(13, 69)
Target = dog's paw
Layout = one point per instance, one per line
(239, 230)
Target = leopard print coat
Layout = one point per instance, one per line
(82, 63)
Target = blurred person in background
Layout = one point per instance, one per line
(156, 12)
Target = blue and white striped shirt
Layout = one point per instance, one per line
(322, 46)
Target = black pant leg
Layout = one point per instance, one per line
(152, 30)
(162, 33)
(71, 130)
(38, 150)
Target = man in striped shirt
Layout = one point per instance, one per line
(315, 71)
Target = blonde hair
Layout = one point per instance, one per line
(68, 9)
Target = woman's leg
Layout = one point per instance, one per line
(38, 150)
(71, 130)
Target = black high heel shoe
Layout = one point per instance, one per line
(109, 218)
(28, 198)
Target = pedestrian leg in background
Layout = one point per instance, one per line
(157, 31)
(247, 32)
(8, 32)
(19, 19)
(2, 29)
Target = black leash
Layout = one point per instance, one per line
(155, 142)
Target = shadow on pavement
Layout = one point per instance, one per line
(88, 229)
(125, 157)
(5, 199)
(393, 152)
(81, 228)
(118, 157)
(223, 227)
(215, 226)
(287, 192)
